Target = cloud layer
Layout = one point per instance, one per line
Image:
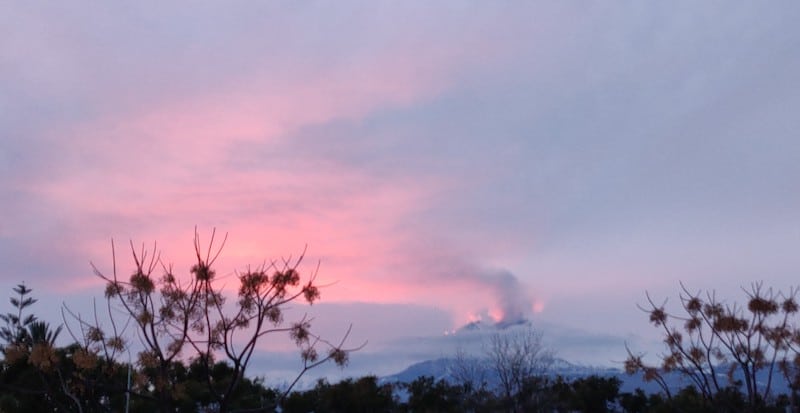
(494, 159)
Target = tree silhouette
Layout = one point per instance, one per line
(520, 361)
(177, 317)
(34, 369)
(15, 332)
(711, 338)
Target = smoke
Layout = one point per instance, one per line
(500, 294)
(512, 299)
(472, 291)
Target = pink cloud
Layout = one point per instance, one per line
(162, 161)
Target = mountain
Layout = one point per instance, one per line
(472, 337)
(441, 368)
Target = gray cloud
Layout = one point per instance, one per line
(592, 153)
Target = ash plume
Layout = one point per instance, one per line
(493, 292)
(512, 298)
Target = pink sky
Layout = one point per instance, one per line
(462, 160)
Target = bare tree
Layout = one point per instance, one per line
(520, 361)
(176, 317)
(468, 370)
(711, 339)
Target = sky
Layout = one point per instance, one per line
(443, 162)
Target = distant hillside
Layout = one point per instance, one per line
(441, 369)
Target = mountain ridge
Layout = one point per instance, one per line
(441, 369)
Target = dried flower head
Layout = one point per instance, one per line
(43, 356)
(339, 356)
(658, 316)
(84, 359)
(762, 306)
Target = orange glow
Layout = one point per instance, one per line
(496, 314)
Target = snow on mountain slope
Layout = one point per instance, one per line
(441, 368)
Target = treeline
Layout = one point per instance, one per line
(67, 383)
(586, 394)
(28, 387)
